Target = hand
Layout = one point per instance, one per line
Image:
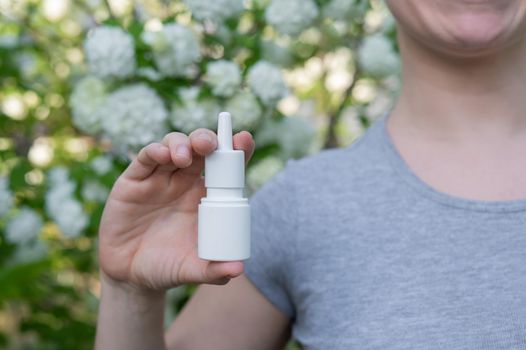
(148, 230)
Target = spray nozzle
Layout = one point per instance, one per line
(224, 132)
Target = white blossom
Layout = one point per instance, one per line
(377, 56)
(149, 73)
(389, 22)
(27, 64)
(294, 135)
(94, 191)
(134, 116)
(217, 10)
(291, 16)
(224, 77)
(224, 34)
(8, 41)
(72, 220)
(57, 176)
(276, 53)
(266, 81)
(102, 165)
(175, 49)
(6, 197)
(110, 52)
(86, 100)
(263, 171)
(245, 110)
(65, 209)
(345, 9)
(24, 226)
(13, 10)
(192, 113)
(30, 251)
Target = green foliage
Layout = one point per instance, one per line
(49, 283)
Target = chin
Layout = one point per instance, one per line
(473, 33)
(462, 27)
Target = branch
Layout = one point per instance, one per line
(331, 141)
(108, 8)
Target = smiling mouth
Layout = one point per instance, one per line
(481, 4)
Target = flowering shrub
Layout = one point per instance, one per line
(86, 84)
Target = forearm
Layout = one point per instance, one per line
(129, 319)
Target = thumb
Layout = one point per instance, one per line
(220, 272)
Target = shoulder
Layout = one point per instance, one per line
(332, 180)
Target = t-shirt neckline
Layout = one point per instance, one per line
(409, 177)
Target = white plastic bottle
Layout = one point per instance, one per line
(224, 214)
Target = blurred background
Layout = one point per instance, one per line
(85, 84)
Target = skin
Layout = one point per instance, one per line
(148, 241)
(459, 124)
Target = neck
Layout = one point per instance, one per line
(451, 98)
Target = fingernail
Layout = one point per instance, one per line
(182, 151)
(204, 136)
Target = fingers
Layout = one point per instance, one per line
(243, 140)
(204, 141)
(220, 272)
(148, 159)
(179, 151)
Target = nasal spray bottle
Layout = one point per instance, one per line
(224, 214)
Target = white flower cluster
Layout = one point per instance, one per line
(377, 56)
(266, 81)
(6, 197)
(102, 165)
(110, 52)
(32, 250)
(276, 53)
(294, 135)
(24, 226)
(22, 230)
(192, 113)
(175, 49)
(224, 77)
(94, 191)
(8, 41)
(291, 16)
(86, 100)
(263, 171)
(149, 73)
(344, 10)
(245, 110)
(27, 64)
(217, 10)
(133, 116)
(62, 206)
(57, 176)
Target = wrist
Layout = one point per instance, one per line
(129, 317)
(126, 291)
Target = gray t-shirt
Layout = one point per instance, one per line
(362, 254)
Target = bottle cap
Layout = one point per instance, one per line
(225, 167)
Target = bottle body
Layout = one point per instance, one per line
(224, 230)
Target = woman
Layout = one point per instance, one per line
(412, 238)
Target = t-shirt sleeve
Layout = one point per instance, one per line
(272, 248)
